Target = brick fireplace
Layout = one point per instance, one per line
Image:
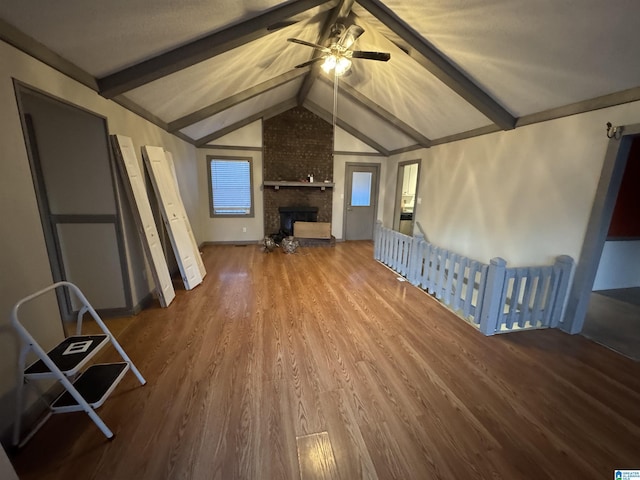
(297, 143)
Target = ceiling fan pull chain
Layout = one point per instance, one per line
(335, 107)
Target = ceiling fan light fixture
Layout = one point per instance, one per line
(339, 63)
(329, 63)
(342, 66)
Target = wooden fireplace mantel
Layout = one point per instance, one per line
(277, 184)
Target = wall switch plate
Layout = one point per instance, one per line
(244, 229)
(419, 201)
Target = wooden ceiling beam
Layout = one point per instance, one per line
(236, 99)
(383, 114)
(328, 117)
(203, 49)
(264, 114)
(439, 66)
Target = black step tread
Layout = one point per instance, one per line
(93, 384)
(66, 363)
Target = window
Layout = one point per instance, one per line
(361, 189)
(230, 187)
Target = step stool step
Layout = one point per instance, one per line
(95, 385)
(69, 356)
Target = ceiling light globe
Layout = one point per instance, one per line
(342, 66)
(329, 63)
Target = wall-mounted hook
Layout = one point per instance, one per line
(614, 132)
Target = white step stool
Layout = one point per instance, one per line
(84, 390)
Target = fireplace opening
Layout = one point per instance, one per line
(290, 215)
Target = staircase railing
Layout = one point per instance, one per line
(494, 298)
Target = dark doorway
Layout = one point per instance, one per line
(613, 315)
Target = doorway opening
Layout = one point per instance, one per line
(79, 201)
(613, 315)
(406, 196)
(596, 259)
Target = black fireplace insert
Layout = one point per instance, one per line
(289, 215)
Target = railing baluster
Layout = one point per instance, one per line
(514, 304)
(532, 277)
(451, 268)
(471, 285)
(537, 311)
(460, 281)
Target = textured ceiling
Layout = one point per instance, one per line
(458, 68)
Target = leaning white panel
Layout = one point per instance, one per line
(137, 193)
(170, 205)
(194, 244)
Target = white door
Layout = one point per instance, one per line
(170, 205)
(194, 244)
(137, 193)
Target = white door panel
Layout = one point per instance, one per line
(137, 192)
(192, 237)
(171, 207)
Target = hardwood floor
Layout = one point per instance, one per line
(614, 321)
(322, 364)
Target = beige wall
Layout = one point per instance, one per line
(524, 195)
(23, 255)
(217, 229)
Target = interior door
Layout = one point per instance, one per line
(137, 193)
(163, 184)
(361, 199)
(75, 188)
(183, 212)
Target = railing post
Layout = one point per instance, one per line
(377, 239)
(491, 308)
(564, 263)
(415, 261)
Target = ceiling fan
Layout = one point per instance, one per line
(338, 55)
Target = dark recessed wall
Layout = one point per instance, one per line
(296, 144)
(625, 222)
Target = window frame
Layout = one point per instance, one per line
(212, 214)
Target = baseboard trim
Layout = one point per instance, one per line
(146, 302)
(233, 242)
(31, 416)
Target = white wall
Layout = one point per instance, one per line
(619, 266)
(23, 255)
(524, 195)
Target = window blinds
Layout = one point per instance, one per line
(231, 187)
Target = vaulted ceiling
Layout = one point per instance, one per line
(458, 68)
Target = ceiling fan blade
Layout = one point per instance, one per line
(380, 56)
(350, 35)
(281, 24)
(308, 44)
(313, 60)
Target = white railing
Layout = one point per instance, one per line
(492, 297)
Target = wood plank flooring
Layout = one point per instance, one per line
(322, 364)
(614, 321)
